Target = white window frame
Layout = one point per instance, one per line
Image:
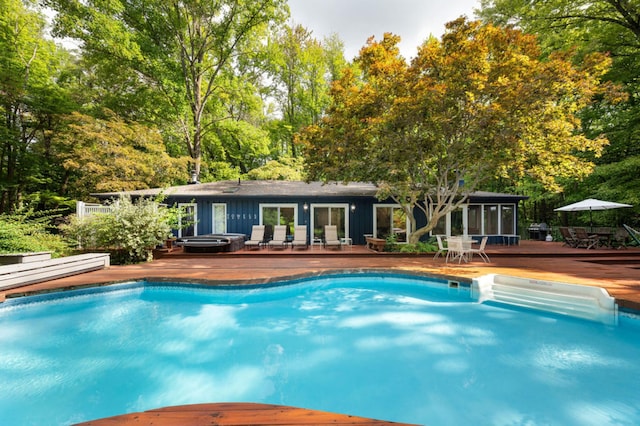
(344, 206)
(279, 206)
(407, 225)
(213, 218)
(465, 218)
(195, 218)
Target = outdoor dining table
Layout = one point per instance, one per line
(605, 237)
(461, 251)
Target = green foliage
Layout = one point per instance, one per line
(31, 97)
(24, 232)
(286, 168)
(584, 27)
(188, 51)
(132, 228)
(392, 245)
(612, 182)
(480, 103)
(104, 155)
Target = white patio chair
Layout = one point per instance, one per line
(442, 250)
(456, 250)
(480, 251)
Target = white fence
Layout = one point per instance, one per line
(86, 209)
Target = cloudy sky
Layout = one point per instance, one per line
(356, 20)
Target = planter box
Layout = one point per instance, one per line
(12, 258)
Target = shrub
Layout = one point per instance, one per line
(420, 247)
(25, 232)
(130, 231)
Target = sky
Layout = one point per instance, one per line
(356, 20)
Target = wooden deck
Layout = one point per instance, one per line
(237, 414)
(618, 271)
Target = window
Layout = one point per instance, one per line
(507, 219)
(219, 218)
(441, 226)
(322, 215)
(277, 214)
(187, 220)
(474, 217)
(390, 220)
(491, 219)
(457, 221)
(479, 219)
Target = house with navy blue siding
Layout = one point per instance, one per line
(235, 206)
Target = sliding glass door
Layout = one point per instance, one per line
(277, 214)
(329, 214)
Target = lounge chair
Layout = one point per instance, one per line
(300, 237)
(480, 250)
(331, 237)
(568, 237)
(257, 237)
(585, 240)
(442, 250)
(279, 240)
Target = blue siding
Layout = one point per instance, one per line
(244, 212)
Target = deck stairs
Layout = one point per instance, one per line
(581, 301)
(19, 274)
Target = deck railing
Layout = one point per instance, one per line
(86, 209)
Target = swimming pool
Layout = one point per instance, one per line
(385, 346)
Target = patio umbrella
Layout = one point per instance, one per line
(591, 204)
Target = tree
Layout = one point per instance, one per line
(586, 26)
(180, 48)
(478, 104)
(112, 155)
(31, 100)
(302, 69)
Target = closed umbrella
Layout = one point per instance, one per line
(591, 204)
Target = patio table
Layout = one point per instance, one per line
(459, 247)
(604, 237)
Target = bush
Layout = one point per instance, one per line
(26, 232)
(131, 231)
(392, 245)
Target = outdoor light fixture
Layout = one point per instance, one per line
(353, 207)
(305, 206)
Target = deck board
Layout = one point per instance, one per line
(237, 414)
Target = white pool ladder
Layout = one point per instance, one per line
(582, 301)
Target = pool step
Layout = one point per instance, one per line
(581, 301)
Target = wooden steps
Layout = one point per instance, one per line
(19, 274)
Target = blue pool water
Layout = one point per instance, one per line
(387, 347)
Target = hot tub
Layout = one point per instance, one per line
(212, 243)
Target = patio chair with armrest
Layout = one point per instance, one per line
(257, 237)
(331, 239)
(300, 237)
(568, 237)
(279, 240)
(584, 239)
(442, 250)
(480, 250)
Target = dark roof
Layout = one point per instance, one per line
(281, 188)
(257, 188)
